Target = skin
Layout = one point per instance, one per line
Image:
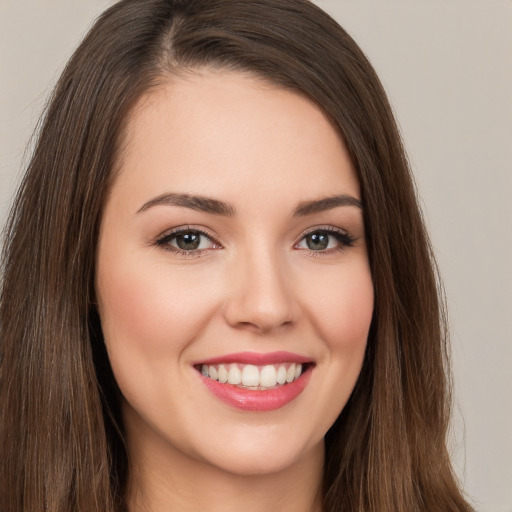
(254, 285)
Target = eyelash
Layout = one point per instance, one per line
(345, 240)
(164, 242)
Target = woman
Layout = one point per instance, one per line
(218, 291)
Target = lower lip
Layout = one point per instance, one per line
(258, 400)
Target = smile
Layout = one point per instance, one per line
(253, 377)
(256, 382)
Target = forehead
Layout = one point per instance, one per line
(235, 136)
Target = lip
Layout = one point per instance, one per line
(257, 359)
(258, 400)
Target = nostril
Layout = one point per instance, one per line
(261, 327)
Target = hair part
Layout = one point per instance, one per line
(60, 428)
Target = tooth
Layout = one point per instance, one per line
(212, 372)
(268, 376)
(281, 375)
(290, 374)
(234, 375)
(223, 374)
(250, 375)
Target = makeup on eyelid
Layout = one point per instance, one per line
(325, 239)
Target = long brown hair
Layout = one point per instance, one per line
(61, 435)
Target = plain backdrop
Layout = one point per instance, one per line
(447, 67)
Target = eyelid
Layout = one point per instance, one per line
(323, 227)
(345, 239)
(348, 239)
(184, 229)
(163, 239)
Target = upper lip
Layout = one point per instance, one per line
(257, 358)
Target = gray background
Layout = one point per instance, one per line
(447, 66)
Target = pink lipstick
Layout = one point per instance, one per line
(257, 359)
(256, 382)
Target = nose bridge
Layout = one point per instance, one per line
(261, 295)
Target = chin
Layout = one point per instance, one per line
(259, 455)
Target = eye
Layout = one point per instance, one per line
(325, 240)
(187, 241)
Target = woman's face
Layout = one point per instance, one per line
(232, 248)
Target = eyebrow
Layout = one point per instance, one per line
(209, 205)
(200, 203)
(326, 203)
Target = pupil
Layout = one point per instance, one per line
(317, 241)
(188, 241)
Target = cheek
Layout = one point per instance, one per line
(342, 307)
(339, 309)
(132, 310)
(150, 311)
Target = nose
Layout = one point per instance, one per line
(261, 296)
